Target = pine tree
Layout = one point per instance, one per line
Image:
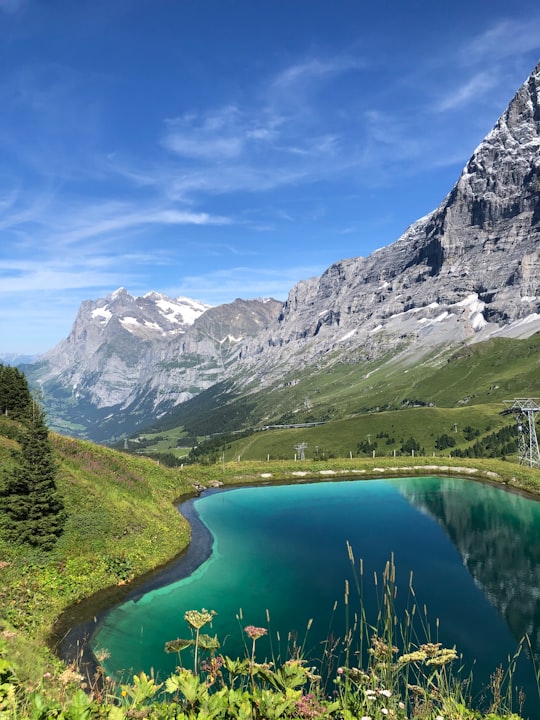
(15, 397)
(33, 509)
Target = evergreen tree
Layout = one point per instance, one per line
(32, 507)
(15, 397)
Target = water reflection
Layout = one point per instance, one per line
(498, 537)
(473, 550)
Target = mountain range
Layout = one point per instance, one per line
(466, 273)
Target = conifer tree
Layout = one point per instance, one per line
(15, 397)
(32, 507)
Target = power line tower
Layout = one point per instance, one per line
(524, 410)
(300, 450)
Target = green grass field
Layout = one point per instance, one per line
(467, 388)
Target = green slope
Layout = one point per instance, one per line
(475, 378)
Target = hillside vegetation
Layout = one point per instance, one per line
(121, 522)
(466, 389)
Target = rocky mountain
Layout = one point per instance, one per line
(130, 358)
(113, 340)
(468, 271)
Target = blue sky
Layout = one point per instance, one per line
(230, 148)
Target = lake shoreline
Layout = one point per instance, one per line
(71, 635)
(74, 628)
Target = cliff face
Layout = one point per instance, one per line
(123, 348)
(468, 270)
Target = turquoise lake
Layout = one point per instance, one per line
(473, 549)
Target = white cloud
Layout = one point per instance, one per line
(73, 224)
(315, 69)
(507, 38)
(472, 89)
(218, 135)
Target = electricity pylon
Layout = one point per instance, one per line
(524, 410)
(300, 449)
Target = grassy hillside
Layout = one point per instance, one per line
(381, 433)
(122, 523)
(475, 381)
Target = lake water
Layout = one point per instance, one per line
(281, 551)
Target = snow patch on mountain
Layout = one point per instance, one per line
(101, 314)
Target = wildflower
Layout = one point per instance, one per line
(380, 649)
(70, 676)
(255, 632)
(365, 717)
(102, 655)
(431, 648)
(416, 656)
(197, 619)
(47, 675)
(386, 693)
(384, 711)
(442, 656)
(309, 707)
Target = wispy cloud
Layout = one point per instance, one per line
(221, 286)
(504, 49)
(506, 38)
(473, 89)
(125, 221)
(316, 70)
(216, 136)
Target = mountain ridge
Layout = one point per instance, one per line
(466, 272)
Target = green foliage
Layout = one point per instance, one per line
(366, 447)
(120, 567)
(29, 500)
(445, 441)
(501, 443)
(410, 446)
(15, 398)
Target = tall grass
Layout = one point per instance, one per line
(383, 668)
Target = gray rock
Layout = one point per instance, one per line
(466, 272)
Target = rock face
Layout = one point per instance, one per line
(466, 272)
(142, 355)
(111, 342)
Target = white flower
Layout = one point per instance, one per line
(384, 711)
(386, 693)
